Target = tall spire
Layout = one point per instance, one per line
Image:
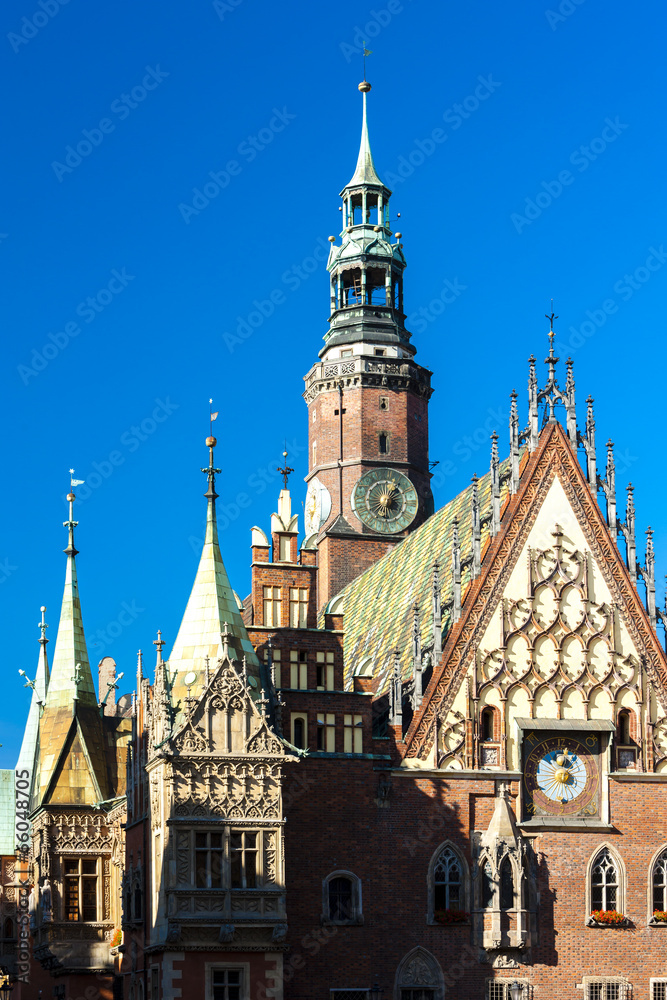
(29, 753)
(70, 649)
(365, 172)
(70, 725)
(212, 603)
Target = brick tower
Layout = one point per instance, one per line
(368, 478)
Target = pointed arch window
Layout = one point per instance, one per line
(419, 977)
(659, 883)
(448, 882)
(506, 885)
(605, 882)
(487, 887)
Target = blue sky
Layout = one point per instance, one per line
(125, 289)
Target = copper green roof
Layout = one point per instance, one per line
(365, 172)
(212, 603)
(378, 605)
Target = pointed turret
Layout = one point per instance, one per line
(29, 753)
(72, 762)
(365, 172)
(212, 603)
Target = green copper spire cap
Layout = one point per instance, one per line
(365, 172)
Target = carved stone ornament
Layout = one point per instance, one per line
(279, 933)
(417, 972)
(264, 742)
(227, 932)
(191, 740)
(468, 633)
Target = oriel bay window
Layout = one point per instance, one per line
(209, 859)
(81, 889)
(243, 851)
(225, 858)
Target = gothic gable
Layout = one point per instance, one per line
(552, 628)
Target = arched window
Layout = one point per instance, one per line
(341, 902)
(448, 883)
(659, 880)
(447, 879)
(623, 727)
(605, 885)
(506, 885)
(487, 724)
(8, 929)
(487, 887)
(299, 739)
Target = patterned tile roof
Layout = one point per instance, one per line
(378, 608)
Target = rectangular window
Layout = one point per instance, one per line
(380, 352)
(326, 732)
(243, 856)
(606, 989)
(209, 857)
(314, 453)
(285, 548)
(298, 669)
(154, 983)
(226, 984)
(346, 354)
(81, 889)
(659, 989)
(298, 607)
(353, 739)
(272, 606)
(325, 671)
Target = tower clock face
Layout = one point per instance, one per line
(385, 500)
(561, 774)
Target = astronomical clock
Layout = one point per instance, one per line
(561, 775)
(385, 501)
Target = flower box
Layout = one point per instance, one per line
(659, 918)
(451, 917)
(117, 938)
(607, 918)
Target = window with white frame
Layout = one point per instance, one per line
(298, 607)
(499, 989)
(298, 661)
(605, 885)
(272, 606)
(353, 737)
(659, 883)
(606, 988)
(325, 670)
(658, 989)
(326, 732)
(285, 548)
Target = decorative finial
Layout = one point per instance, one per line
(551, 319)
(211, 471)
(76, 680)
(263, 702)
(224, 635)
(159, 642)
(43, 626)
(286, 471)
(71, 523)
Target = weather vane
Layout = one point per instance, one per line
(211, 416)
(551, 317)
(367, 52)
(285, 473)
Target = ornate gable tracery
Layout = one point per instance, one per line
(553, 459)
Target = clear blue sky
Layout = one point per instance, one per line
(169, 93)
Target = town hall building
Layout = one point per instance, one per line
(425, 758)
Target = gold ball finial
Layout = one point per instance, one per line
(211, 442)
(71, 498)
(332, 239)
(364, 86)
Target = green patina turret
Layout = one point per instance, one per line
(367, 268)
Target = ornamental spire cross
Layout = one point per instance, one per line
(287, 471)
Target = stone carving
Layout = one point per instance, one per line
(46, 902)
(264, 742)
(191, 741)
(417, 972)
(279, 933)
(474, 621)
(226, 935)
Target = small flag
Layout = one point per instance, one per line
(214, 416)
(368, 52)
(78, 482)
